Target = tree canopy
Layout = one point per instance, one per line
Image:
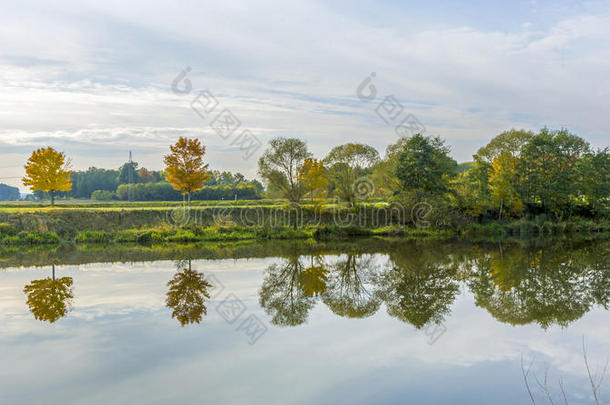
(184, 166)
(280, 165)
(48, 170)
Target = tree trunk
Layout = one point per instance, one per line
(53, 271)
(189, 199)
(501, 203)
(52, 198)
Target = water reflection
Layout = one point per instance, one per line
(315, 277)
(49, 299)
(518, 284)
(287, 292)
(419, 286)
(350, 293)
(550, 285)
(187, 294)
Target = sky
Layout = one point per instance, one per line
(94, 79)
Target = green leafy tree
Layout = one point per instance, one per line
(346, 163)
(128, 173)
(280, 164)
(424, 164)
(548, 170)
(511, 141)
(384, 172)
(594, 179)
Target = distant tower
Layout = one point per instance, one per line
(130, 177)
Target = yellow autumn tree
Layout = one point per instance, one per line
(48, 170)
(312, 176)
(184, 167)
(503, 180)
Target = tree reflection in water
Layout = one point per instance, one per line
(289, 289)
(349, 293)
(418, 285)
(49, 299)
(546, 285)
(187, 294)
(518, 284)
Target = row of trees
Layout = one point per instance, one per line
(290, 171)
(518, 173)
(48, 171)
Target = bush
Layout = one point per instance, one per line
(103, 195)
(93, 237)
(7, 229)
(331, 231)
(32, 238)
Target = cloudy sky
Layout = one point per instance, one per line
(94, 79)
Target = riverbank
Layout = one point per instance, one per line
(12, 236)
(260, 220)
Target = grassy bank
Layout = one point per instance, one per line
(153, 223)
(582, 229)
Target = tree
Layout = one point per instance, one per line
(384, 172)
(184, 166)
(424, 164)
(594, 178)
(84, 183)
(510, 142)
(313, 176)
(48, 170)
(548, 170)
(346, 164)
(279, 167)
(503, 181)
(128, 173)
(188, 291)
(49, 299)
(145, 176)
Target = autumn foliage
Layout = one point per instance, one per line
(184, 167)
(48, 170)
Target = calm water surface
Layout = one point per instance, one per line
(300, 323)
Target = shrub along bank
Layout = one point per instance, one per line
(208, 223)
